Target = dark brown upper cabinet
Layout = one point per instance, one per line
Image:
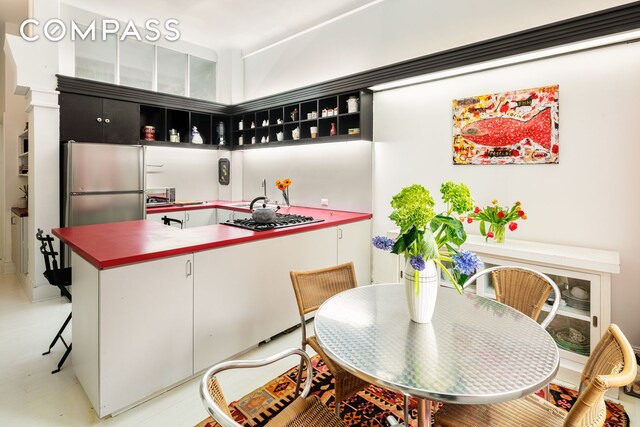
(91, 119)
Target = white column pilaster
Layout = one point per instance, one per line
(44, 182)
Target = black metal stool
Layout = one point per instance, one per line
(61, 278)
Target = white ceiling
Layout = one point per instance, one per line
(245, 24)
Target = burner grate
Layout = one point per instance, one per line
(282, 221)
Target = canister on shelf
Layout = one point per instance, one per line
(149, 133)
(174, 136)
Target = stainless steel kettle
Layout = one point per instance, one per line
(263, 214)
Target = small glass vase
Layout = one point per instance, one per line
(285, 196)
(498, 232)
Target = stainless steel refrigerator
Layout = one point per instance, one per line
(102, 183)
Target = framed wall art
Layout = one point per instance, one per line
(516, 127)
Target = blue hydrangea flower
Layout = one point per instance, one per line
(467, 262)
(384, 243)
(417, 262)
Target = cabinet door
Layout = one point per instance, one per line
(224, 215)
(146, 329)
(200, 217)
(243, 293)
(16, 242)
(576, 327)
(179, 215)
(121, 122)
(157, 217)
(354, 245)
(80, 118)
(24, 245)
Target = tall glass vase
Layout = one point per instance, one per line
(421, 290)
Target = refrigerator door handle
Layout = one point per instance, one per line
(143, 168)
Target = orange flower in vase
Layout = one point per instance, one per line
(283, 185)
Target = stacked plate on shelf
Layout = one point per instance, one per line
(572, 340)
(578, 298)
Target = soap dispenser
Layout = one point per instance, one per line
(195, 136)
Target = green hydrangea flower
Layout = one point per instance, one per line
(457, 197)
(413, 206)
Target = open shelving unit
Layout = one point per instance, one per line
(329, 115)
(23, 154)
(165, 119)
(93, 111)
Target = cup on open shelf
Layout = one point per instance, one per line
(314, 131)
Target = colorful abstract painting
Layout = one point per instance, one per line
(517, 127)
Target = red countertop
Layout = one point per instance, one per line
(120, 243)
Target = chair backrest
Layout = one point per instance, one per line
(211, 392)
(167, 221)
(522, 288)
(612, 363)
(314, 287)
(46, 248)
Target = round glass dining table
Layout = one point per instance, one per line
(475, 350)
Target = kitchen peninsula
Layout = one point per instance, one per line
(154, 305)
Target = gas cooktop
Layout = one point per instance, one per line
(282, 220)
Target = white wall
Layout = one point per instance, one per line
(589, 199)
(14, 119)
(193, 173)
(393, 31)
(340, 172)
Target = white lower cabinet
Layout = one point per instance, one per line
(200, 217)
(141, 328)
(19, 243)
(354, 245)
(225, 215)
(243, 293)
(579, 322)
(190, 218)
(138, 321)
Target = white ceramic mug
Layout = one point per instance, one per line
(280, 136)
(314, 131)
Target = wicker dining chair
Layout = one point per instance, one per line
(303, 411)
(312, 288)
(522, 288)
(611, 364)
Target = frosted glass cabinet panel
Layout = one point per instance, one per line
(137, 61)
(172, 71)
(96, 59)
(202, 79)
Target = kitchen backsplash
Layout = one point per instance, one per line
(339, 172)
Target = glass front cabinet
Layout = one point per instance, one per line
(584, 278)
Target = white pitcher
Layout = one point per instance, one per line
(280, 136)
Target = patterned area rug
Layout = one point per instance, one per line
(368, 408)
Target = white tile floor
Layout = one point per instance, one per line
(31, 396)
